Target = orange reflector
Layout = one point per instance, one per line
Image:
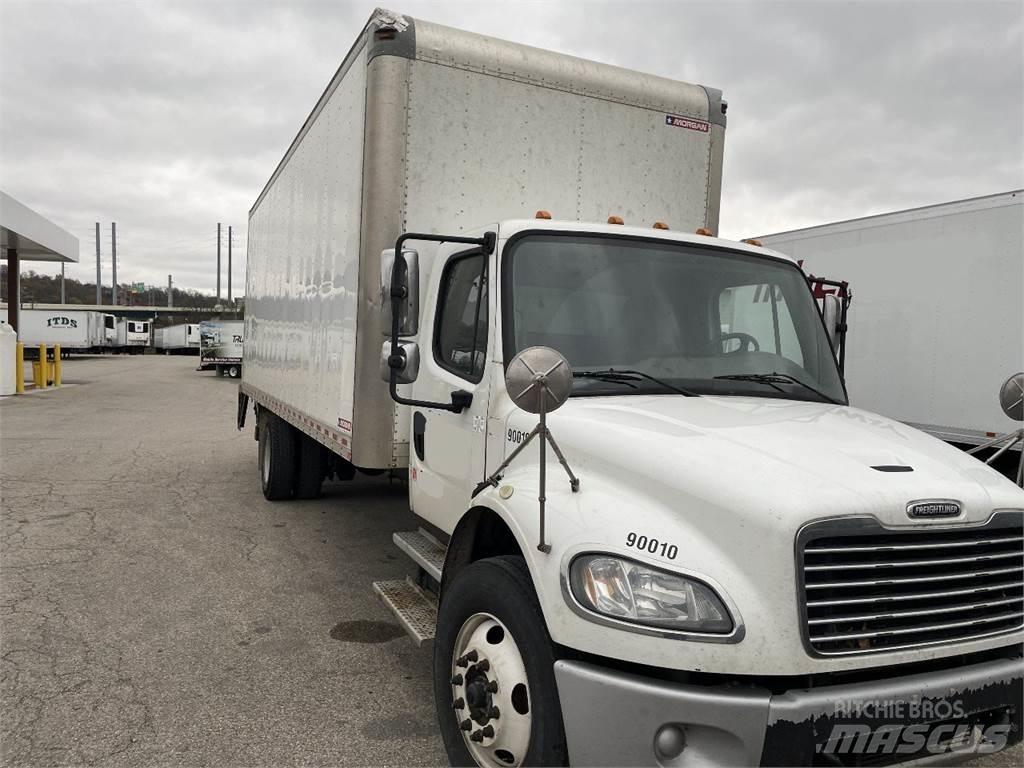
(752, 241)
(615, 220)
(703, 231)
(542, 215)
(660, 225)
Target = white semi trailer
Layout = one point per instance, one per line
(937, 326)
(75, 330)
(177, 339)
(739, 563)
(131, 336)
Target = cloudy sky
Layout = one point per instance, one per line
(168, 117)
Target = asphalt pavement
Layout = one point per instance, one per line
(156, 610)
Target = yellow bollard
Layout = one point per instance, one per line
(57, 366)
(19, 369)
(42, 367)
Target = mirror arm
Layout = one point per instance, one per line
(460, 398)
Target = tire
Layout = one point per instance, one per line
(309, 467)
(276, 457)
(490, 603)
(233, 371)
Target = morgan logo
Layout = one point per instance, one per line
(59, 321)
(687, 122)
(928, 509)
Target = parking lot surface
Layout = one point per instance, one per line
(156, 610)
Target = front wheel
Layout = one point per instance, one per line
(494, 680)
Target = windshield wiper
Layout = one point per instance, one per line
(627, 375)
(775, 378)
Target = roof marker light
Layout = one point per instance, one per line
(703, 231)
(752, 241)
(542, 215)
(615, 220)
(660, 225)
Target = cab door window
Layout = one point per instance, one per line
(461, 329)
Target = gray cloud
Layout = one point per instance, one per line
(167, 117)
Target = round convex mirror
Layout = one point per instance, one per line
(1011, 397)
(536, 375)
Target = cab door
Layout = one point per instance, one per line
(447, 450)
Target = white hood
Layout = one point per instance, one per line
(798, 460)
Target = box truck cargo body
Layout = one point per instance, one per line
(74, 330)
(937, 323)
(221, 346)
(704, 547)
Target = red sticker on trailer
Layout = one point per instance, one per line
(345, 424)
(687, 122)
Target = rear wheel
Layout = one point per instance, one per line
(494, 681)
(310, 468)
(233, 371)
(276, 457)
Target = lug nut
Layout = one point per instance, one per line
(471, 656)
(457, 680)
(476, 736)
(483, 666)
(491, 687)
(458, 704)
(494, 713)
(487, 732)
(466, 724)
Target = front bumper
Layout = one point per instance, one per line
(617, 718)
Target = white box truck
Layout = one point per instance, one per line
(182, 338)
(220, 346)
(739, 562)
(78, 331)
(937, 324)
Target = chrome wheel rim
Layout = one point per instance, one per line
(490, 693)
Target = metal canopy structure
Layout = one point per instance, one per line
(27, 236)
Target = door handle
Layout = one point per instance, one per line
(419, 428)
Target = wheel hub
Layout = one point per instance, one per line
(490, 693)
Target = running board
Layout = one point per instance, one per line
(415, 609)
(426, 551)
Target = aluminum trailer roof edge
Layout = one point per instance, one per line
(966, 205)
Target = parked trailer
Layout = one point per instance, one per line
(177, 339)
(75, 330)
(221, 346)
(132, 336)
(936, 324)
(734, 549)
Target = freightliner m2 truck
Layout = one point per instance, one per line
(722, 563)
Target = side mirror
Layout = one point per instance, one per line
(831, 311)
(405, 361)
(409, 286)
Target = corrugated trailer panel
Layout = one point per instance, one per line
(303, 263)
(936, 323)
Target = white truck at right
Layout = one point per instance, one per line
(732, 565)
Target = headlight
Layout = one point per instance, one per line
(623, 589)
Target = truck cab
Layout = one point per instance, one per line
(742, 550)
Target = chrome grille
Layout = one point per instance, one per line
(867, 589)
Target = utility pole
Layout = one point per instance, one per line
(99, 294)
(113, 262)
(229, 264)
(170, 291)
(218, 262)
(63, 299)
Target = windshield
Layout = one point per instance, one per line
(682, 313)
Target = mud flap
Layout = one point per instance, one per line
(243, 406)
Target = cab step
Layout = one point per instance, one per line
(415, 609)
(426, 551)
